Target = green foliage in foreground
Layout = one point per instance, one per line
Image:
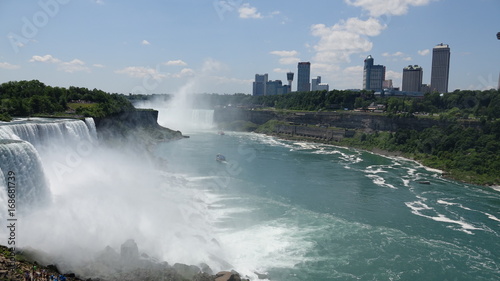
(466, 154)
(28, 98)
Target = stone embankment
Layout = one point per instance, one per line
(340, 119)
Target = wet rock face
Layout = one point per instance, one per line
(186, 271)
(129, 252)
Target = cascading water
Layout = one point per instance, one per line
(42, 132)
(22, 159)
(103, 197)
(202, 118)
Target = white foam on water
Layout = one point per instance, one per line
(453, 204)
(406, 182)
(375, 169)
(496, 187)
(419, 207)
(380, 181)
(270, 140)
(492, 217)
(306, 145)
(273, 244)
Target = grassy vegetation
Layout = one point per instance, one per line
(466, 154)
(33, 98)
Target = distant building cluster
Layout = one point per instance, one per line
(373, 78)
(412, 84)
(264, 87)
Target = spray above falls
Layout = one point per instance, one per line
(96, 197)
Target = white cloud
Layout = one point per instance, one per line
(396, 54)
(185, 72)
(285, 53)
(338, 42)
(377, 8)
(175, 62)
(354, 70)
(289, 60)
(70, 66)
(424, 52)
(145, 42)
(46, 58)
(141, 72)
(324, 67)
(395, 76)
(73, 66)
(248, 12)
(212, 65)
(281, 70)
(98, 65)
(6, 65)
(287, 57)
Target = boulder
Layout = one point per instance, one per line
(227, 276)
(186, 271)
(129, 252)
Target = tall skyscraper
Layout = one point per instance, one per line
(412, 78)
(260, 85)
(303, 77)
(373, 75)
(440, 68)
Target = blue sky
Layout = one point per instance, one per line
(217, 46)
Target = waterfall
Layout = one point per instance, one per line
(42, 132)
(27, 175)
(22, 141)
(91, 126)
(203, 118)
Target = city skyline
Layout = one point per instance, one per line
(160, 47)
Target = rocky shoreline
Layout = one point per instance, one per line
(128, 265)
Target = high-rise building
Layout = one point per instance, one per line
(373, 75)
(412, 78)
(260, 85)
(315, 82)
(274, 87)
(316, 85)
(303, 77)
(440, 68)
